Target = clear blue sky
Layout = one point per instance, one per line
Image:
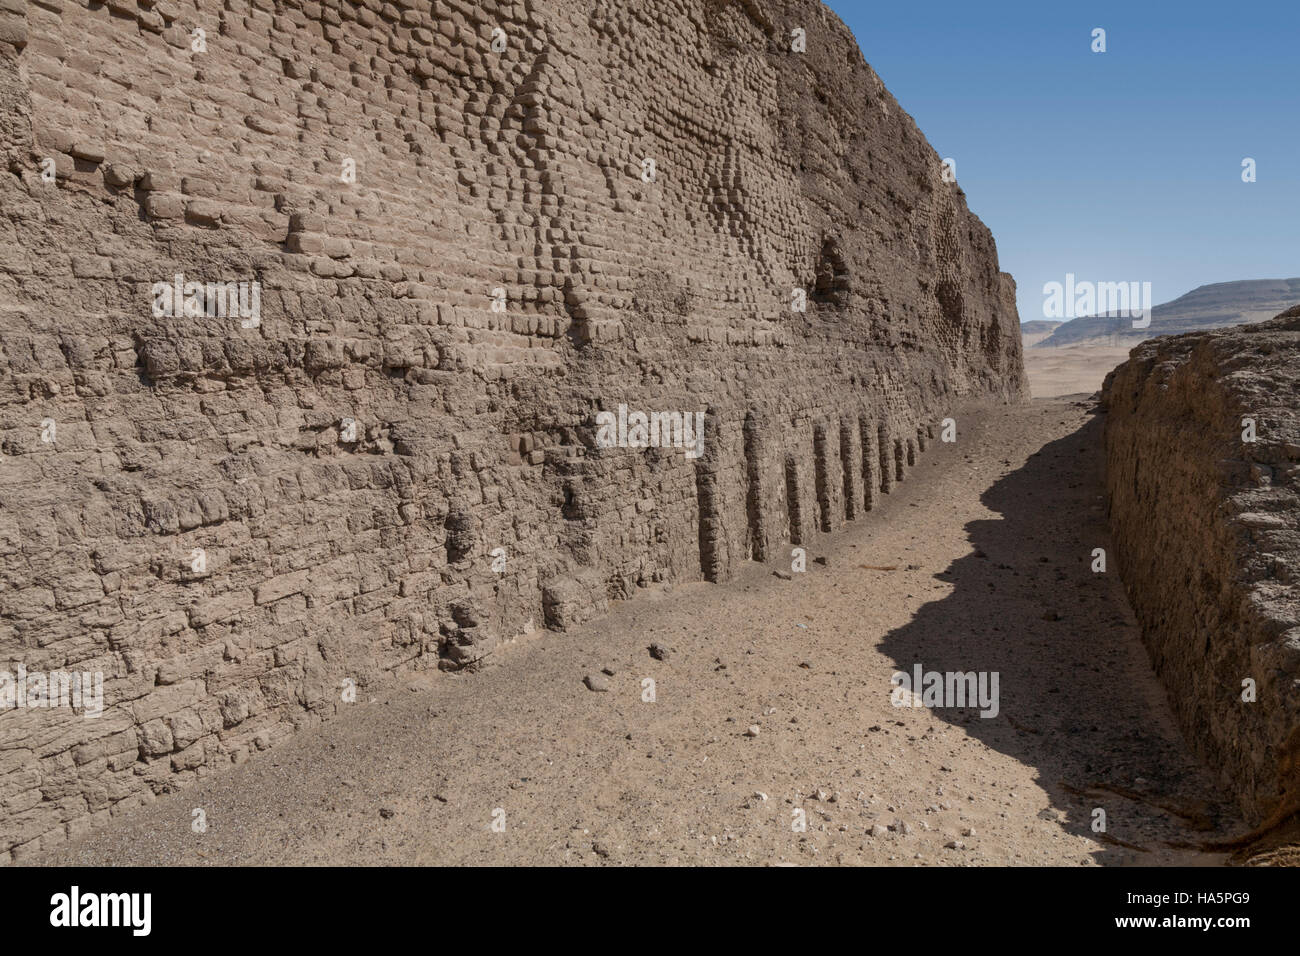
(1115, 166)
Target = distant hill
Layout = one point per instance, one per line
(1031, 333)
(1207, 307)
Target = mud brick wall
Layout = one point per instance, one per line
(137, 148)
(1207, 527)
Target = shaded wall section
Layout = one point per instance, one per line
(1203, 453)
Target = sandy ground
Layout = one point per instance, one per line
(988, 545)
(1067, 371)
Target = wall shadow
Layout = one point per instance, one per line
(1079, 701)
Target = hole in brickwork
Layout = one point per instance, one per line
(754, 490)
(571, 510)
(886, 459)
(821, 469)
(792, 499)
(870, 464)
(846, 466)
(712, 540)
(831, 286)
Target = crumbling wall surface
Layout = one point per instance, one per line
(1203, 458)
(471, 225)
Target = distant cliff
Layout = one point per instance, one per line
(1214, 306)
(1031, 333)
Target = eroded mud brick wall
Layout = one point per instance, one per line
(233, 517)
(1207, 526)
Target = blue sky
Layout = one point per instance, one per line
(1115, 166)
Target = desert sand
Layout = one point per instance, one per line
(1066, 371)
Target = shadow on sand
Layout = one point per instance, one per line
(1078, 699)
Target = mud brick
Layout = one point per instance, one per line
(13, 29)
(164, 206)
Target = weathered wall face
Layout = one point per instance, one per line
(1207, 527)
(205, 528)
